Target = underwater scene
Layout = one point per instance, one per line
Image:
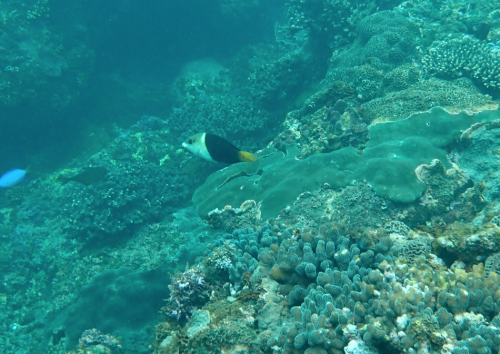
(249, 177)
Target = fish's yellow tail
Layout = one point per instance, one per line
(247, 156)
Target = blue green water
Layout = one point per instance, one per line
(370, 222)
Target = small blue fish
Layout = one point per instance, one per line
(11, 178)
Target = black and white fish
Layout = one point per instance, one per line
(213, 148)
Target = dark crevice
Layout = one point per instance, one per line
(229, 179)
(240, 174)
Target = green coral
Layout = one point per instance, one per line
(276, 180)
(388, 165)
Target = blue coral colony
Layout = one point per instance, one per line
(369, 223)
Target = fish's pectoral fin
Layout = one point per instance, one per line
(247, 156)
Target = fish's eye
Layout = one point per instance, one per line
(190, 141)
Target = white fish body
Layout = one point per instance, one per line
(197, 146)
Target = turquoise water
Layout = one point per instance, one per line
(369, 224)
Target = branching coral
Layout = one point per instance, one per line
(465, 56)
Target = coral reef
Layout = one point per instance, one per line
(327, 129)
(480, 20)
(371, 65)
(40, 66)
(106, 302)
(465, 56)
(243, 109)
(369, 224)
(492, 264)
(140, 183)
(470, 242)
(93, 337)
(225, 114)
(343, 298)
(228, 219)
(478, 156)
(188, 291)
(333, 22)
(384, 73)
(388, 165)
(355, 207)
(454, 95)
(272, 82)
(396, 313)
